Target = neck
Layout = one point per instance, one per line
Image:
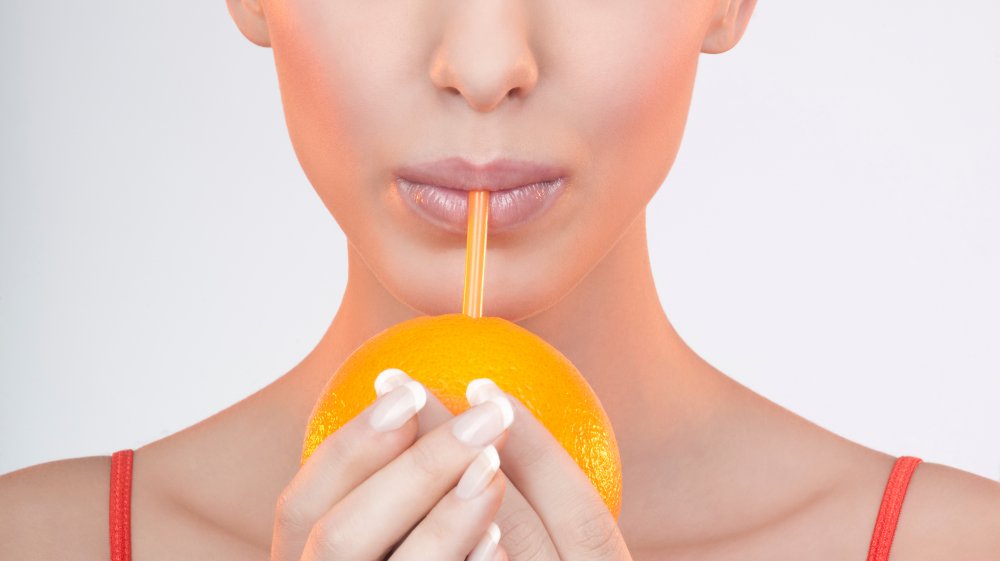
(643, 373)
(659, 395)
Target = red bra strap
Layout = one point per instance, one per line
(119, 520)
(892, 503)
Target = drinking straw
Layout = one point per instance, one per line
(475, 253)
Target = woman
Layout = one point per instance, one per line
(597, 93)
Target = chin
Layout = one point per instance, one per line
(516, 301)
(521, 281)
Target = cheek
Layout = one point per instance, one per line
(621, 102)
(624, 96)
(631, 91)
(327, 103)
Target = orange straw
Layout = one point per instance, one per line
(475, 253)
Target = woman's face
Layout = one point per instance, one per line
(601, 89)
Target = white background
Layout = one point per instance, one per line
(829, 235)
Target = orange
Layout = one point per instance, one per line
(445, 352)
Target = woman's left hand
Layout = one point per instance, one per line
(568, 507)
(551, 510)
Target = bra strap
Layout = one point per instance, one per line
(119, 520)
(892, 504)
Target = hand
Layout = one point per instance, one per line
(373, 489)
(551, 510)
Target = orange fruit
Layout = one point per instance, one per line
(446, 352)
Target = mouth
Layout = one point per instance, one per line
(509, 208)
(520, 191)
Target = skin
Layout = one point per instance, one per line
(711, 469)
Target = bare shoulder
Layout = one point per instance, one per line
(56, 510)
(60, 510)
(948, 513)
(836, 486)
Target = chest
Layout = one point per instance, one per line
(837, 527)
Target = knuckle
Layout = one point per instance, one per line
(436, 530)
(289, 513)
(595, 530)
(334, 538)
(531, 456)
(424, 461)
(524, 539)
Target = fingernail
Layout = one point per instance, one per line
(396, 407)
(482, 424)
(390, 379)
(487, 546)
(479, 473)
(478, 390)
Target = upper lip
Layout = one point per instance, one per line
(458, 173)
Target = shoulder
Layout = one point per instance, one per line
(60, 510)
(948, 513)
(64, 499)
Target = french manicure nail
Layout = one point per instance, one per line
(396, 407)
(479, 473)
(483, 423)
(487, 546)
(390, 379)
(478, 390)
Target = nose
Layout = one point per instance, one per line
(485, 54)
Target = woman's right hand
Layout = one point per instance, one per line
(373, 490)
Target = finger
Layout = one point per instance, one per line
(365, 523)
(574, 513)
(457, 522)
(523, 530)
(435, 413)
(525, 537)
(339, 464)
(487, 546)
(432, 415)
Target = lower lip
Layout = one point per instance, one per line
(509, 208)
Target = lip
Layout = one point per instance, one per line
(458, 173)
(519, 190)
